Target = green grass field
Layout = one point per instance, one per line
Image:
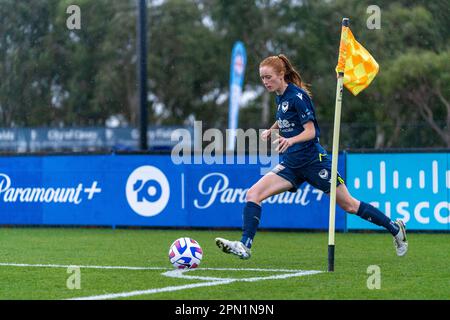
(424, 273)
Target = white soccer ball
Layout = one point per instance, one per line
(185, 253)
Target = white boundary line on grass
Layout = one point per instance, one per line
(182, 274)
(5, 264)
(77, 265)
(293, 273)
(152, 291)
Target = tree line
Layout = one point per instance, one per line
(57, 77)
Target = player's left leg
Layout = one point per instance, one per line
(267, 186)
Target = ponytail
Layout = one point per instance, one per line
(292, 75)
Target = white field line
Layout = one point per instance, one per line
(282, 276)
(79, 266)
(183, 274)
(152, 291)
(4, 264)
(180, 274)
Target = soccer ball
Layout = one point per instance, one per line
(185, 253)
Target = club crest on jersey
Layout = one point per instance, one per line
(285, 106)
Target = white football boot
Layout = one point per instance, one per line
(400, 242)
(234, 247)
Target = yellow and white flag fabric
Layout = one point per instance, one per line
(358, 65)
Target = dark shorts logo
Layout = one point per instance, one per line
(324, 174)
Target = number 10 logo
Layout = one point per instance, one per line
(147, 191)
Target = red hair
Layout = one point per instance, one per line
(281, 63)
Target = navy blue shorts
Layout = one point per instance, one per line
(316, 169)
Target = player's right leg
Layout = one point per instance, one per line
(266, 187)
(318, 175)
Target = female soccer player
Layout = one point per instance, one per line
(303, 160)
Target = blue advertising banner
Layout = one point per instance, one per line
(237, 71)
(146, 190)
(414, 187)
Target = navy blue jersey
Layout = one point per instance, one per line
(295, 108)
(306, 161)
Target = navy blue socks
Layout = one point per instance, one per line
(372, 214)
(251, 217)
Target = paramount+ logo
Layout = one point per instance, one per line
(147, 191)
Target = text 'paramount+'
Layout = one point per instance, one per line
(9, 193)
(215, 187)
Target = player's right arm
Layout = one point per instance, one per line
(266, 133)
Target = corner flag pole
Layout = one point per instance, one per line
(335, 152)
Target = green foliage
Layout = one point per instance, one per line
(186, 68)
(417, 82)
(52, 76)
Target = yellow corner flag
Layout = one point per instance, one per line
(359, 67)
